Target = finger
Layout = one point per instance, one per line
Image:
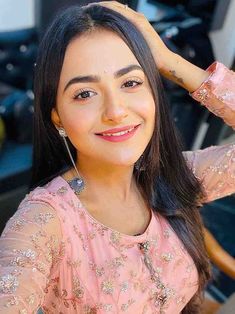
(115, 4)
(111, 3)
(135, 17)
(118, 7)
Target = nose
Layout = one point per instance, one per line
(115, 110)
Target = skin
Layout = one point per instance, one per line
(106, 167)
(111, 178)
(170, 65)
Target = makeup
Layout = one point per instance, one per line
(119, 134)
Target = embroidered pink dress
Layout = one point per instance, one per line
(56, 256)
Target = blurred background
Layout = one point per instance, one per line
(200, 30)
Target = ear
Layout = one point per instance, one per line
(55, 118)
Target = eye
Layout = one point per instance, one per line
(83, 94)
(132, 83)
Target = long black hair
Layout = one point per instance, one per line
(167, 183)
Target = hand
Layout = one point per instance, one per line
(170, 65)
(159, 50)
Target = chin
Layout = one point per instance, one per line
(124, 161)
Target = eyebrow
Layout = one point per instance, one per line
(96, 79)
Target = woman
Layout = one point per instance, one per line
(120, 231)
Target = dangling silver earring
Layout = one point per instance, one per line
(77, 184)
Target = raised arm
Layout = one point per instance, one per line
(215, 166)
(213, 88)
(171, 65)
(29, 249)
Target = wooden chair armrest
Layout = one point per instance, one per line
(222, 259)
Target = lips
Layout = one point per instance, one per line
(119, 134)
(116, 131)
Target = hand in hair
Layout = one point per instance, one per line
(170, 65)
(157, 46)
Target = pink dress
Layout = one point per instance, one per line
(55, 255)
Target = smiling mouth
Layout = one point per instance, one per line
(119, 132)
(118, 135)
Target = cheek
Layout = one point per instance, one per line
(145, 107)
(77, 121)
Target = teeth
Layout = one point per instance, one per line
(118, 133)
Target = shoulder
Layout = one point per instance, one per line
(36, 226)
(48, 193)
(51, 207)
(39, 208)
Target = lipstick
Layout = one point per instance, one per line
(118, 134)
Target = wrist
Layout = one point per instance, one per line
(184, 73)
(168, 62)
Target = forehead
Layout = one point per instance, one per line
(99, 52)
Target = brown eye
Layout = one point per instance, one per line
(132, 83)
(84, 95)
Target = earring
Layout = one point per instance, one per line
(77, 184)
(139, 164)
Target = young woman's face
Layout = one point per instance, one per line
(104, 101)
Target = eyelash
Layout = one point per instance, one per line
(138, 82)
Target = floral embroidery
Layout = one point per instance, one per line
(91, 251)
(25, 257)
(43, 218)
(100, 229)
(107, 307)
(202, 94)
(77, 288)
(12, 301)
(8, 283)
(124, 286)
(125, 306)
(62, 190)
(31, 298)
(107, 286)
(89, 310)
(99, 271)
(17, 225)
(115, 237)
(167, 257)
(166, 233)
(215, 94)
(74, 264)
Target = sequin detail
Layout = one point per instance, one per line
(163, 293)
(8, 284)
(107, 286)
(94, 269)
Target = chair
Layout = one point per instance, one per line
(226, 263)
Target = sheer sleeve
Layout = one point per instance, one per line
(30, 247)
(215, 166)
(217, 93)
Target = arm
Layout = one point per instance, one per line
(215, 166)
(214, 88)
(29, 248)
(170, 65)
(182, 72)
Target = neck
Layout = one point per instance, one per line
(108, 180)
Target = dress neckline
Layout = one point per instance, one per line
(138, 237)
